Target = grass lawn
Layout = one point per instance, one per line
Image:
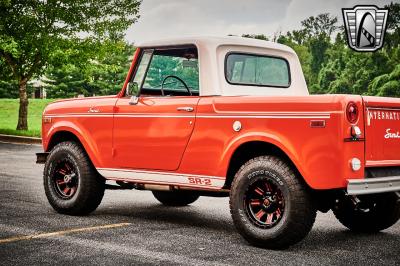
(9, 116)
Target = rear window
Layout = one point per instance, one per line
(257, 70)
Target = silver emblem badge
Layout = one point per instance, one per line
(365, 27)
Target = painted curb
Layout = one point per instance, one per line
(20, 139)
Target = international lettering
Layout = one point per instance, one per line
(384, 115)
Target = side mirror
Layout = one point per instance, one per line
(132, 88)
(134, 100)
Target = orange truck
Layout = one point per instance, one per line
(229, 116)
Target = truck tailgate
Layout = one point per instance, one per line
(382, 131)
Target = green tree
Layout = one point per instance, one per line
(313, 40)
(66, 81)
(103, 71)
(386, 84)
(298, 36)
(392, 38)
(108, 71)
(32, 31)
(318, 46)
(330, 66)
(323, 24)
(7, 85)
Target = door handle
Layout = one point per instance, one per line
(185, 108)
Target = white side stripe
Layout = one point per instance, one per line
(219, 116)
(167, 178)
(78, 115)
(116, 115)
(154, 116)
(265, 116)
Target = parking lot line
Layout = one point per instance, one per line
(63, 232)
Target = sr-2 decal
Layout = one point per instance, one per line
(199, 181)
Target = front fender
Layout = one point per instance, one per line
(68, 126)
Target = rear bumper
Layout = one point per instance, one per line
(373, 185)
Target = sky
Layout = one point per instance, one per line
(174, 18)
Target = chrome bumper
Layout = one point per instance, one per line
(373, 185)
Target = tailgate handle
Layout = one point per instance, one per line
(185, 108)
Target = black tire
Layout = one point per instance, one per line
(283, 190)
(374, 213)
(71, 183)
(175, 198)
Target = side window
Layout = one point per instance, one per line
(162, 66)
(172, 72)
(257, 70)
(140, 72)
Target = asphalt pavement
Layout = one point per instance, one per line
(132, 228)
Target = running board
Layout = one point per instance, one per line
(119, 187)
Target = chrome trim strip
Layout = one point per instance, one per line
(80, 115)
(272, 116)
(93, 114)
(373, 185)
(119, 116)
(264, 116)
(241, 113)
(271, 113)
(155, 116)
(374, 163)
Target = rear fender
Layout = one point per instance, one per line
(275, 139)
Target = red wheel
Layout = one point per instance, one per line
(270, 205)
(71, 183)
(264, 203)
(65, 180)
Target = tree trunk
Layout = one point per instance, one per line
(23, 105)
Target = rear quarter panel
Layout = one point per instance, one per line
(320, 154)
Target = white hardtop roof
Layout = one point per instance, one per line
(212, 52)
(216, 41)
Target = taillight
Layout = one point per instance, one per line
(352, 112)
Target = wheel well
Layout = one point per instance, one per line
(62, 136)
(250, 150)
